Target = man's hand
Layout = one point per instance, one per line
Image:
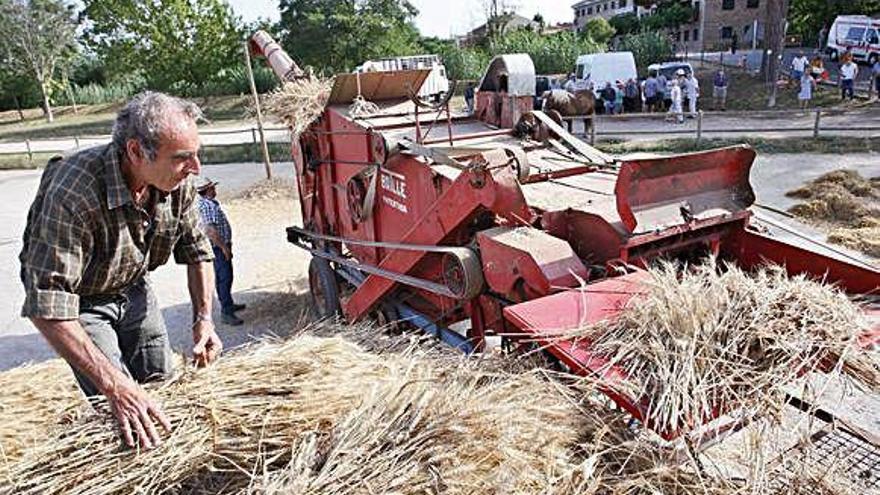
(206, 344)
(135, 413)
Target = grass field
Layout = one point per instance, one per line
(98, 119)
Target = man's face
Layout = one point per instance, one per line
(176, 158)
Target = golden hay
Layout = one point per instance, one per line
(845, 204)
(712, 336)
(322, 415)
(298, 103)
(32, 399)
(275, 188)
(243, 416)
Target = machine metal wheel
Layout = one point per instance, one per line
(463, 273)
(324, 288)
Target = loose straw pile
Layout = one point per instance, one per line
(847, 205)
(298, 103)
(715, 337)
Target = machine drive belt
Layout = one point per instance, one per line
(469, 271)
(387, 245)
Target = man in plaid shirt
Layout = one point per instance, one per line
(102, 219)
(217, 227)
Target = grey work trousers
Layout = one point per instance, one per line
(129, 329)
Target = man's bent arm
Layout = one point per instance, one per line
(200, 279)
(131, 406)
(206, 344)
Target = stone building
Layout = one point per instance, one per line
(606, 9)
(718, 20)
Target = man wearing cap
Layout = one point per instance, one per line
(217, 228)
(102, 219)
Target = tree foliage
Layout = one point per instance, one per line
(648, 47)
(38, 42)
(624, 24)
(668, 15)
(338, 35)
(599, 30)
(177, 45)
(552, 54)
(808, 17)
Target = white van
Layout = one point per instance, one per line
(435, 86)
(597, 69)
(858, 33)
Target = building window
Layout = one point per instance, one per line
(678, 36)
(726, 32)
(622, 4)
(752, 4)
(697, 8)
(696, 34)
(687, 36)
(612, 5)
(728, 4)
(605, 6)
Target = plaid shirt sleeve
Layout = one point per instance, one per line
(192, 245)
(53, 261)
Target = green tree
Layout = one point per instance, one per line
(551, 54)
(808, 17)
(338, 35)
(598, 30)
(648, 47)
(39, 41)
(624, 24)
(177, 45)
(669, 14)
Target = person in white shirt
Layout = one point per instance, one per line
(849, 71)
(798, 66)
(675, 109)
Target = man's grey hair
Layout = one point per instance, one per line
(147, 116)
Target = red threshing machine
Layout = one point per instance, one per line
(502, 223)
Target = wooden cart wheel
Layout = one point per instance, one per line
(324, 288)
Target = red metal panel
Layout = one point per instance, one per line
(472, 190)
(651, 192)
(751, 249)
(530, 257)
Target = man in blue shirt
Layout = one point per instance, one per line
(218, 230)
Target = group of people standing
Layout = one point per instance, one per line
(672, 95)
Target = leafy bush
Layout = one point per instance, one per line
(552, 54)
(464, 63)
(598, 30)
(647, 48)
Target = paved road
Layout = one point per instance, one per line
(263, 254)
(753, 124)
(743, 125)
(209, 136)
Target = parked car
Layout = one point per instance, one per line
(669, 69)
(858, 34)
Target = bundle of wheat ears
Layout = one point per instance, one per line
(315, 415)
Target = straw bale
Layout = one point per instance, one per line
(33, 397)
(714, 336)
(298, 103)
(250, 412)
(268, 189)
